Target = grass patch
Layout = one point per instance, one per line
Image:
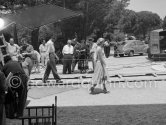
(112, 115)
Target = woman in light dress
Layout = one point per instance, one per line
(100, 74)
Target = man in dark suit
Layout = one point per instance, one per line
(2, 98)
(76, 54)
(15, 68)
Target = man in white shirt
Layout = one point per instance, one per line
(67, 57)
(51, 63)
(13, 49)
(43, 54)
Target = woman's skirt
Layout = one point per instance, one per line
(99, 73)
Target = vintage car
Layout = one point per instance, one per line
(130, 47)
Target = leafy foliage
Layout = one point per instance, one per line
(128, 22)
(98, 16)
(164, 23)
(147, 21)
(114, 13)
(139, 23)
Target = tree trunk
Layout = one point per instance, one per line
(15, 34)
(34, 39)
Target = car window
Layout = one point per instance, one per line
(140, 43)
(132, 44)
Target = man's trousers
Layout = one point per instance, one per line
(51, 66)
(67, 61)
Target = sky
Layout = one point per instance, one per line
(155, 6)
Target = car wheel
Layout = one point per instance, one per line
(141, 54)
(131, 53)
(121, 55)
(115, 55)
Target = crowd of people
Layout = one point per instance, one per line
(74, 52)
(20, 60)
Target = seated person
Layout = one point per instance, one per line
(34, 55)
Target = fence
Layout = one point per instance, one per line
(40, 115)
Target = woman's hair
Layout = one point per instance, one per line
(7, 59)
(100, 41)
(23, 40)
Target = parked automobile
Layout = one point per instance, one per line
(130, 47)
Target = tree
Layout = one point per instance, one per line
(114, 13)
(164, 23)
(128, 22)
(97, 14)
(146, 22)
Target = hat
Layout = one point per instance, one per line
(100, 41)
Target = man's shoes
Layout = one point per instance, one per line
(59, 81)
(44, 81)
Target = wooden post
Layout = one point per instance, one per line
(55, 110)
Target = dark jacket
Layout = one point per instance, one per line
(2, 87)
(13, 67)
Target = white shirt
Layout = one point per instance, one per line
(43, 48)
(50, 47)
(94, 48)
(68, 49)
(13, 49)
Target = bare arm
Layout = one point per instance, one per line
(56, 56)
(100, 56)
(40, 49)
